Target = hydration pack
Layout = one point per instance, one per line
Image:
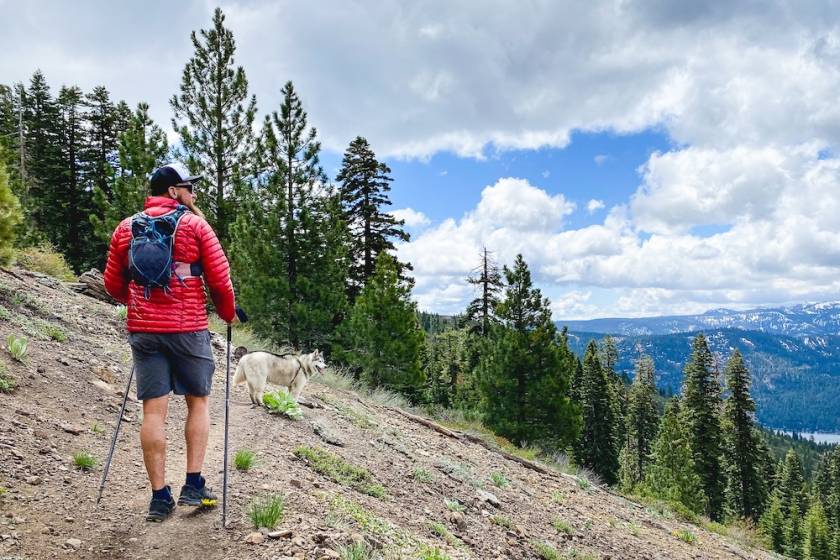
(150, 261)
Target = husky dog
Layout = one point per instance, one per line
(287, 370)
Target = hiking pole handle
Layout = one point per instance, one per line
(114, 437)
(227, 413)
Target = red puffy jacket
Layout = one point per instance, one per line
(183, 308)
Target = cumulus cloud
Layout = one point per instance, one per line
(600, 159)
(594, 205)
(411, 217)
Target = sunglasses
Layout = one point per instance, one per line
(188, 186)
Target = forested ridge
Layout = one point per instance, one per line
(313, 261)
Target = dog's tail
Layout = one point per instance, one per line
(239, 376)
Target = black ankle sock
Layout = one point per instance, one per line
(195, 480)
(162, 494)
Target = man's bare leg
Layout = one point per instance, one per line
(153, 439)
(196, 431)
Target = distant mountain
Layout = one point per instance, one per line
(813, 319)
(796, 380)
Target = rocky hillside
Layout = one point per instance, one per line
(428, 488)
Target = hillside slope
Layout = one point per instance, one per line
(65, 388)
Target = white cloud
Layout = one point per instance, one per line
(412, 217)
(600, 159)
(594, 205)
(546, 174)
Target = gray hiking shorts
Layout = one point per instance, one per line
(180, 363)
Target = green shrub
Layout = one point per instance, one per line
(266, 512)
(502, 522)
(440, 530)
(17, 347)
(422, 475)
(499, 480)
(454, 505)
(53, 332)
(245, 459)
(340, 471)
(97, 429)
(584, 483)
(281, 402)
(7, 384)
(429, 553)
(84, 461)
(562, 526)
(685, 536)
(121, 311)
(545, 550)
(46, 260)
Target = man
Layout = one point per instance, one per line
(168, 332)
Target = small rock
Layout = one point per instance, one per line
(255, 538)
(458, 519)
(73, 543)
(296, 483)
(70, 429)
(284, 534)
(298, 542)
(34, 480)
(489, 497)
(330, 553)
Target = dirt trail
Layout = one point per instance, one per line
(65, 388)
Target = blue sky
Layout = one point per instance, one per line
(645, 157)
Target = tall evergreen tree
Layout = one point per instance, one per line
(672, 475)
(746, 490)
(794, 533)
(772, 524)
(817, 538)
(445, 368)
(10, 215)
(290, 247)
(642, 424)
(142, 147)
(214, 117)
(701, 406)
(597, 447)
(70, 201)
(618, 395)
(792, 487)
(100, 155)
(381, 337)
(43, 161)
(481, 311)
(365, 183)
(524, 374)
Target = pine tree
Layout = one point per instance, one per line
(142, 147)
(746, 490)
(10, 215)
(597, 447)
(701, 413)
(42, 160)
(772, 524)
(445, 368)
(481, 311)
(524, 374)
(671, 474)
(817, 539)
(290, 245)
(642, 424)
(794, 492)
(618, 395)
(794, 533)
(381, 337)
(365, 183)
(100, 155)
(70, 201)
(216, 118)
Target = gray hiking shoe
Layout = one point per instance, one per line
(192, 496)
(159, 510)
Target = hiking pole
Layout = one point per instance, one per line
(114, 437)
(227, 413)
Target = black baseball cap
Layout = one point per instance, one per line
(169, 175)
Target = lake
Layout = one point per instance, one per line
(819, 437)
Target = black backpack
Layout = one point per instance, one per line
(150, 253)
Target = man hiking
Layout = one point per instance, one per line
(155, 264)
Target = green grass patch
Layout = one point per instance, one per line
(584, 484)
(357, 551)
(121, 312)
(281, 402)
(356, 417)
(97, 428)
(454, 505)
(432, 553)
(545, 550)
(499, 480)
(5, 314)
(46, 260)
(17, 347)
(53, 332)
(369, 523)
(562, 526)
(244, 460)
(422, 475)
(440, 530)
(557, 497)
(502, 521)
(84, 461)
(338, 470)
(7, 384)
(686, 536)
(267, 511)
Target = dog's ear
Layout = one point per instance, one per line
(239, 352)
